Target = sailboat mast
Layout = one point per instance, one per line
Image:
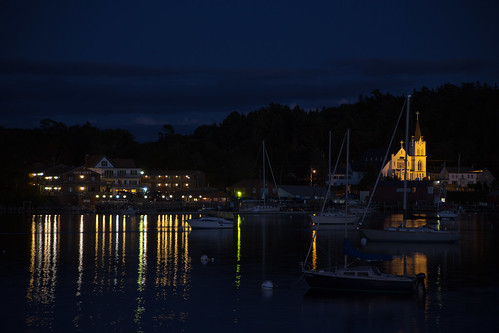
(329, 171)
(405, 159)
(346, 181)
(263, 168)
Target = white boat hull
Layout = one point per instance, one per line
(210, 223)
(411, 235)
(260, 210)
(334, 219)
(447, 214)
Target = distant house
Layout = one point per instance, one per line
(117, 174)
(354, 176)
(462, 178)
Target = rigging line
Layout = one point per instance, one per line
(325, 199)
(272, 173)
(334, 171)
(383, 163)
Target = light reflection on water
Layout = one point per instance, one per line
(143, 273)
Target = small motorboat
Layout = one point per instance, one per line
(210, 222)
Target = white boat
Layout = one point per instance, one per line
(263, 206)
(410, 234)
(361, 210)
(264, 209)
(336, 217)
(129, 210)
(210, 222)
(404, 233)
(447, 214)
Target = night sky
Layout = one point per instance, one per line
(140, 64)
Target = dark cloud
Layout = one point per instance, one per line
(189, 97)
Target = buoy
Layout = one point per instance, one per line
(363, 241)
(267, 285)
(204, 259)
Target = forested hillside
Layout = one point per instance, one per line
(455, 121)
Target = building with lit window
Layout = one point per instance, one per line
(166, 181)
(465, 178)
(416, 159)
(117, 174)
(74, 186)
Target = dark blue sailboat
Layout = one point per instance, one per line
(366, 278)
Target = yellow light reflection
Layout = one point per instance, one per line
(238, 252)
(314, 250)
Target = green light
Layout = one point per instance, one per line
(239, 194)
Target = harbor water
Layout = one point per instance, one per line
(152, 273)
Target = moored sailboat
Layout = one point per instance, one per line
(365, 278)
(263, 205)
(336, 217)
(404, 233)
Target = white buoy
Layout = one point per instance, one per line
(363, 241)
(267, 285)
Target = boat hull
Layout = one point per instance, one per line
(411, 235)
(332, 281)
(211, 223)
(334, 219)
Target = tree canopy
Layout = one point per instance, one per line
(457, 122)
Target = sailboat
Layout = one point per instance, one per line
(336, 217)
(263, 206)
(366, 278)
(404, 233)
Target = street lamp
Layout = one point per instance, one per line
(312, 171)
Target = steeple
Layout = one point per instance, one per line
(417, 135)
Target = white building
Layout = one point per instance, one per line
(416, 159)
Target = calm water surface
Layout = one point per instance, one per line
(115, 273)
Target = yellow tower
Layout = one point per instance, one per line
(417, 155)
(416, 158)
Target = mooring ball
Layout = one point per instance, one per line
(267, 285)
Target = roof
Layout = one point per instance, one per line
(93, 161)
(56, 170)
(171, 172)
(417, 133)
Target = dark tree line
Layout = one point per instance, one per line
(456, 121)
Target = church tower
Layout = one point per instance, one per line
(417, 154)
(416, 158)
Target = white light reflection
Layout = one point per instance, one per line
(43, 263)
